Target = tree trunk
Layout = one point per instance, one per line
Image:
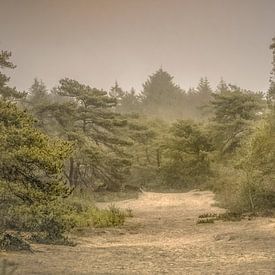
(158, 158)
(147, 155)
(251, 200)
(71, 172)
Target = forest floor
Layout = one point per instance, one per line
(161, 238)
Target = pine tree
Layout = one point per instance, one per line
(130, 103)
(187, 150)
(37, 98)
(161, 97)
(87, 119)
(37, 92)
(203, 96)
(222, 87)
(271, 91)
(30, 162)
(6, 92)
(233, 112)
(117, 92)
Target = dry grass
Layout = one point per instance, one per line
(162, 238)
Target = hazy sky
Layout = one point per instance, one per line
(100, 41)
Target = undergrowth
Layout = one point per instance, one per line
(51, 223)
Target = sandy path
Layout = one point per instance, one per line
(162, 238)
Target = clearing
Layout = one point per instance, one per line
(161, 238)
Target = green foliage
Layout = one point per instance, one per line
(234, 110)
(149, 138)
(7, 93)
(31, 163)
(95, 141)
(108, 217)
(87, 119)
(48, 222)
(31, 182)
(86, 214)
(256, 159)
(247, 182)
(187, 155)
(160, 96)
(271, 91)
(201, 98)
(37, 98)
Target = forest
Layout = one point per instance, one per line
(60, 149)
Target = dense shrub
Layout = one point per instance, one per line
(247, 181)
(87, 214)
(187, 162)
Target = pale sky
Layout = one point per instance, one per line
(100, 41)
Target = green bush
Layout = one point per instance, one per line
(50, 220)
(93, 216)
(187, 162)
(247, 182)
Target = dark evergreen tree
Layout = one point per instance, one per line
(161, 97)
(202, 98)
(30, 163)
(187, 155)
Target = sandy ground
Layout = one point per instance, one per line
(162, 238)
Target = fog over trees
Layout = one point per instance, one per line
(66, 150)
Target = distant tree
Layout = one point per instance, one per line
(130, 103)
(117, 92)
(222, 87)
(204, 92)
(37, 98)
(37, 92)
(161, 97)
(127, 102)
(203, 96)
(197, 100)
(271, 91)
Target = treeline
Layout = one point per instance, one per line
(161, 98)
(78, 138)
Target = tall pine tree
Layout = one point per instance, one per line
(161, 97)
(87, 119)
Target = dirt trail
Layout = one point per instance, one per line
(162, 238)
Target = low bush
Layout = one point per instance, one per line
(51, 220)
(88, 215)
(11, 242)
